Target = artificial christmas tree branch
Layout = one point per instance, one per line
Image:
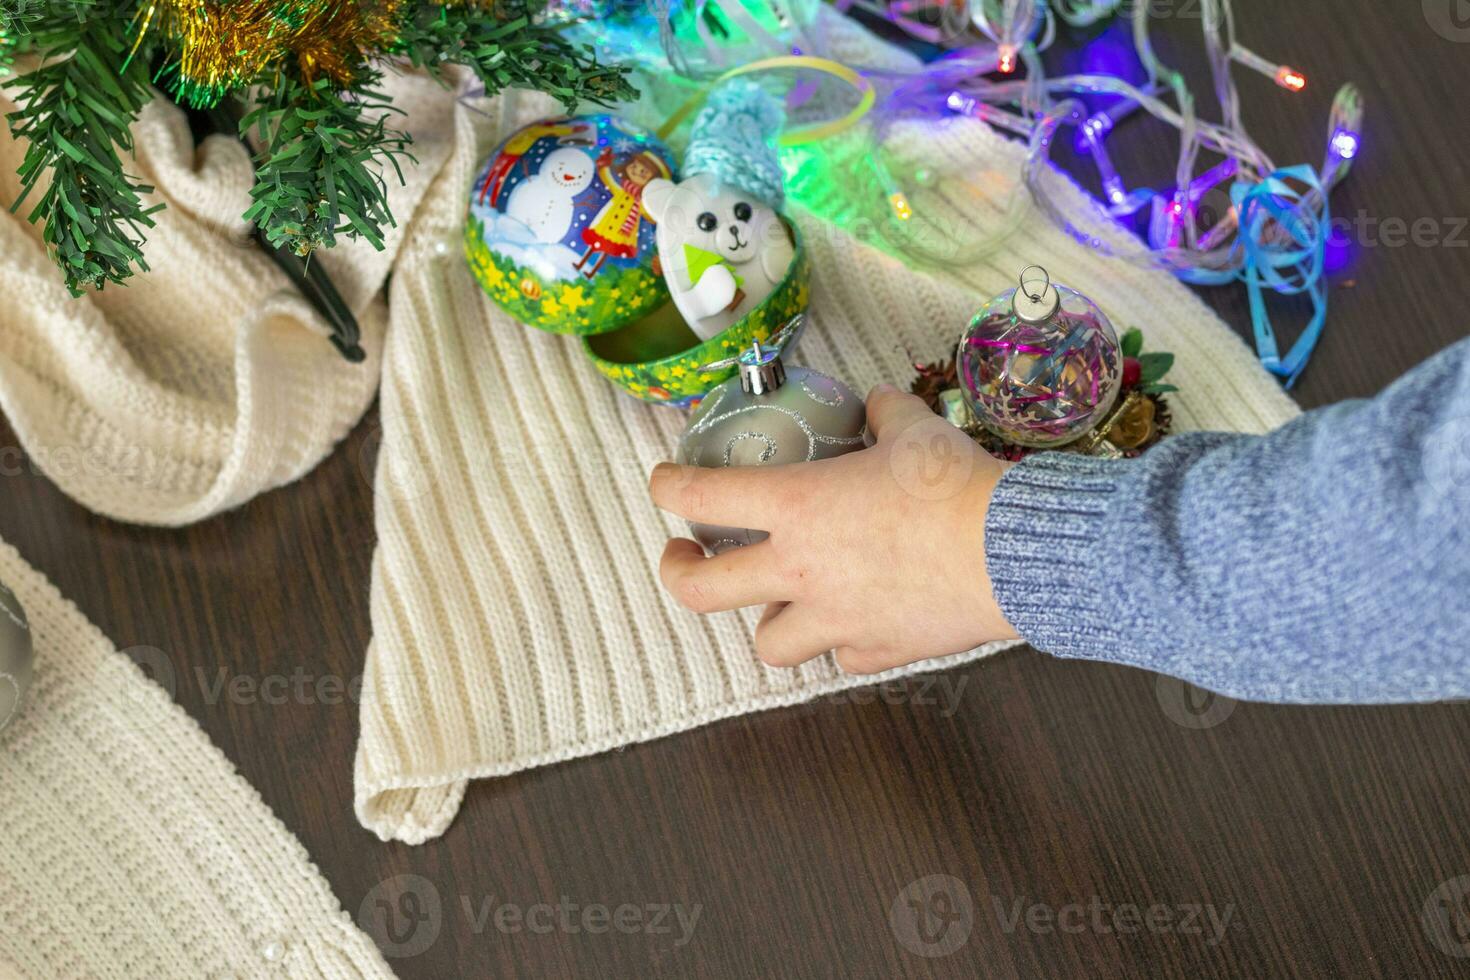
(74, 113)
(307, 276)
(325, 146)
(318, 170)
(508, 51)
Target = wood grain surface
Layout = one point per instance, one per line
(1083, 820)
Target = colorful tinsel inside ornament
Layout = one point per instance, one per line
(1039, 376)
(1139, 418)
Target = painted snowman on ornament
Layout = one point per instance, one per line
(512, 154)
(722, 245)
(546, 201)
(555, 232)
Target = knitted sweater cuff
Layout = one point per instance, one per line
(1050, 554)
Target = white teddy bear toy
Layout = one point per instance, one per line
(721, 249)
(722, 246)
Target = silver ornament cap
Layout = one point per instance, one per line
(769, 414)
(17, 654)
(1037, 301)
(761, 370)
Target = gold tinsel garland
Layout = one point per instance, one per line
(222, 45)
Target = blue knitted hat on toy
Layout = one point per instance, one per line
(731, 139)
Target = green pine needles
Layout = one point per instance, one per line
(509, 51)
(74, 113)
(320, 169)
(325, 150)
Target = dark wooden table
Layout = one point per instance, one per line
(1083, 820)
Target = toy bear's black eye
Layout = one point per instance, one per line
(742, 211)
(706, 222)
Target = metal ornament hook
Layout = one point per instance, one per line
(761, 371)
(1034, 294)
(1033, 305)
(780, 340)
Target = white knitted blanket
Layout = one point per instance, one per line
(129, 846)
(517, 618)
(206, 381)
(517, 615)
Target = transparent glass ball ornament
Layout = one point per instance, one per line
(1039, 365)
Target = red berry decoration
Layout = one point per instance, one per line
(1132, 372)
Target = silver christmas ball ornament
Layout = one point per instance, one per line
(767, 415)
(16, 656)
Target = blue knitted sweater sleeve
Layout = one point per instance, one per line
(1328, 561)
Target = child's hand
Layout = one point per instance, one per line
(879, 554)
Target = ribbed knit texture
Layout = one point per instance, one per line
(207, 380)
(517, 615)
(1262, 567)
(129, 846)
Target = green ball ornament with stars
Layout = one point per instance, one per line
(556, 231)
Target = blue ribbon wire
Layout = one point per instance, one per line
(1289, 264)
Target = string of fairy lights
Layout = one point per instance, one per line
(1239, 218)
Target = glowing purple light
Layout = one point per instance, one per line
(1345, 142)
(1093, 130)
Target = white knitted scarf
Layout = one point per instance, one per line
(517, 618)
(129, 846)
(517, 615)
(205, 381)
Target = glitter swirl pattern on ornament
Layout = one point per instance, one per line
(769, 415)
(808, 417)
(1040, 385)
